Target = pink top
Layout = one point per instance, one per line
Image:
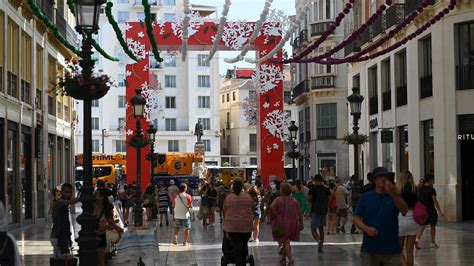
(238, 213)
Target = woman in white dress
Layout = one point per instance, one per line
(407, 227)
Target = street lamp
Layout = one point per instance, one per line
(87, 14)
(151, 136)
(138, 103)
(293, 154)
(355, 102)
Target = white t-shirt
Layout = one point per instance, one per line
(182, 203)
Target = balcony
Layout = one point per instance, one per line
(364, 37)
(426, 86)
(464, 77)
(300, 89)
(296, 44)
(327, 133)
(303, 36)
(386, 100)
(373, 105)
(411, 5)
(394, 15)
(402, 95)
(25, 92)
(377, 27)
(323, 82)
(352, 47)
(319, 27)
(61, 23)
(47, 7)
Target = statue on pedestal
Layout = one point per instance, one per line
(198, 130)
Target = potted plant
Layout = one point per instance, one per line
(352, 139)
(75, 85)
(138, 141)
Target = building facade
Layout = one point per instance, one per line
(36, 125)
(418, 110)
(320, 92)
(239, 133)
(188, 90)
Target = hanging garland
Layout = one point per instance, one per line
(70, 4)
(118, 32)
(184, 31)
(39, 14)
(218, 37)
(103, 53)
(407, 20)
(301, 15)
(256, 31)
(419, 31)
(149, 31)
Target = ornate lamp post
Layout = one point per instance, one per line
(355, 102)
(151, 136)
(293, 154)
(87, 15)
(138, 103)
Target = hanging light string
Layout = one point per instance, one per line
(256, 31)
(218, 37)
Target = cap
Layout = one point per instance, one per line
(171, 182)
(379, 171)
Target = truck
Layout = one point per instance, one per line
(178, 167)
(106, 167)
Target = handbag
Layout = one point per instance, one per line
(189, 209)
(420, 213)
(112, 236)
(278, 226)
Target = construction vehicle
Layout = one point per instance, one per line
(106, 167)
(178, 167)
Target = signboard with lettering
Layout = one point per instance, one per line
(387, 136)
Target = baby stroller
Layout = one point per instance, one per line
(229, 252)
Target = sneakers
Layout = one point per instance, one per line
(320, 246)
(175, 240)
(211, 225)
(434, 245)
(185, 244)
(256, 241)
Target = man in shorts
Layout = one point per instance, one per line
(183, 203)
(342, 208)
(318, 197)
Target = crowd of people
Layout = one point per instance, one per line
(386, 211)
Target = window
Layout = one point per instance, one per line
(401, 77)
(233, 96)
(403, 148)
(307, 124)
(386, 90)
(170, 81)
(202, 62)
(356, 81)
(95, 123)
(95, 145)
(204, 102)
(140, 16)
(168, 2)
(428, 142)
(223, 98)
(228, 97)
(170, 102)
(122, 102)
(373, 91)
(95, 103)
(173, 145)
(253, 94)
(327, 120)
(373, 149)
(169, 17)
(121, 123)
(206, 123)
(204, 81)
(170, 124)
(426, 78)
(287, 97)
(121, 78)
(207, 144)
(253, 161)
(120, 146)
(170, 60)
(465, 58)
(253, 142)
(122, 17)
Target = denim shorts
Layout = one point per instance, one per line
(186, 223)
(318, 221)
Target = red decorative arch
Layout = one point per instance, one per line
(272, 125)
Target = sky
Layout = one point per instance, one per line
(248, 10)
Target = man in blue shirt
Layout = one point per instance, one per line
(377, 216)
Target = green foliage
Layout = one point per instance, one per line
(118, 32)
(137, 141)
(352, 139)
(149, 31)
(102, 52)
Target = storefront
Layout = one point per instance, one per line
(466, 143)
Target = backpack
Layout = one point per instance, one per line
(332, 202)
(420, 213)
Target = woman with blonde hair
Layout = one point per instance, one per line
(407, 227)
(287, 222)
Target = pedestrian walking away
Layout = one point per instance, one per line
(318, 198)
(377, 216)
(407, 227)
(9, 254)
(183, 203)
(342, 211)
